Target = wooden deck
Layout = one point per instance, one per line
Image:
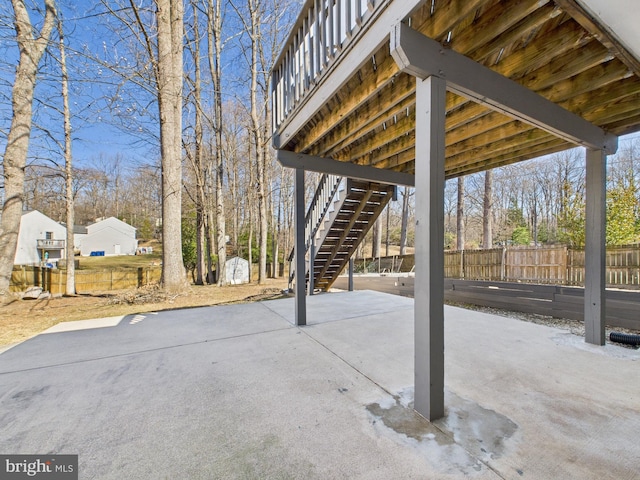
(339, 94)
(364, 87)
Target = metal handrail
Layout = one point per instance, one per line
(324, 195)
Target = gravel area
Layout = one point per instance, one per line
(576, 327)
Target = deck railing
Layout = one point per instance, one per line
(323, 29)
(325, 193)
(48, 243)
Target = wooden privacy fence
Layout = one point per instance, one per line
(556, 265)
(559, 265)
(87, 281)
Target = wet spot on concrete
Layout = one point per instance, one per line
(481, 431)
(461, 442)
(402, 419)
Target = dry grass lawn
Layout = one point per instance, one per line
(22, 319)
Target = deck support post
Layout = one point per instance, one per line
(429, 247)
(300, 249)
(595, 249)
(351, 267)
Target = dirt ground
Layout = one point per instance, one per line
(22, 319)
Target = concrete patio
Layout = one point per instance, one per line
(239, 392)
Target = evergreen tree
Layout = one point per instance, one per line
(622, 211)
(571, 220)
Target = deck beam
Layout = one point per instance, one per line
(421, 56)
(343, 169)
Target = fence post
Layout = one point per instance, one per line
(503, 270)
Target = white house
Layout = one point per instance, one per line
(39, 238)
(111, 236)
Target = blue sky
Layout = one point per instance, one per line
(94, 131)
(110, 117)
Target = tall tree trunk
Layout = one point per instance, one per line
(487, 235)
(256, 132)
(70, 287)
(386, 240)
(460, 215)
(214, 34)
(15, 156)
(199, 167)
(250, 195)
(209, 231)
(276, 241)
(377, 238)
(235, 201)
(170, 70)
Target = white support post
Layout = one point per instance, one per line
(300, 249)
(429, 242)
(595, 251)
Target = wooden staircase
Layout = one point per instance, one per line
(344, 218)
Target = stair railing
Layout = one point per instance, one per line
(324, 195)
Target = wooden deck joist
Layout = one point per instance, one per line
(367, 118)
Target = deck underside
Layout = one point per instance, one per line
(553, 48)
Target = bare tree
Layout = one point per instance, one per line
(15, 156)
(376, 242)
(406, 194)
(167, 62)
(255, 34)
(169, 14)
(196, 156)
(214, 37)
(460, 215)
(487, 236)
(70, 287)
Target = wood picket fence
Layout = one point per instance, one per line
(549, 265)
(87, 281)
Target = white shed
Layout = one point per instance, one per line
(237, 271)
(40, 237)
(111, 236)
